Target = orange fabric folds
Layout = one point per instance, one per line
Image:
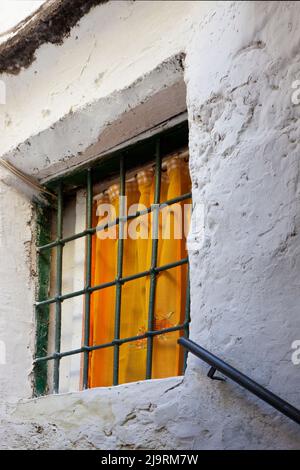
(171, 284)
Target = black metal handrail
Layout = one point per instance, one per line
(226, 369)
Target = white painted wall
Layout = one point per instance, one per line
(17, 281)
(242, 58)
(115, 45)
(13, 12)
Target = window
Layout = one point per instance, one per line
(135, 292)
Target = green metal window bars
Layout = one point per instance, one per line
(87, 291)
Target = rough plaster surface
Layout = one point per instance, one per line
(194, 413)
(112, 47)
(50, 23)
(17, 274)
(244, 149)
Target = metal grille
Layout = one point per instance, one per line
(120, 280)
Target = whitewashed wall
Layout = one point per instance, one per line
(241, 60)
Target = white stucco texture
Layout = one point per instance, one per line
(241, 61)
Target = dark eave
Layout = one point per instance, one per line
(52, 23)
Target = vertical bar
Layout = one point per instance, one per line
(187, 314)
(43, 223)
(155, 235)
(119, 272)
(59, 261)
(88, 274)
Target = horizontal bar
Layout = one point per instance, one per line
(93, 230)
(121, 280)
(242, 379)
(175, 264)
(111, 343)
(103, 185)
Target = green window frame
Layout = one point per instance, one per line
(152, 149)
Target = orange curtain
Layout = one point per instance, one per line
(103, 301)
(171, 284)
(170, 287)
(130, 364)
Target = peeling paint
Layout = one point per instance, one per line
(51, 24)
(241, 60)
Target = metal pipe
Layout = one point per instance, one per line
(242, 379)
